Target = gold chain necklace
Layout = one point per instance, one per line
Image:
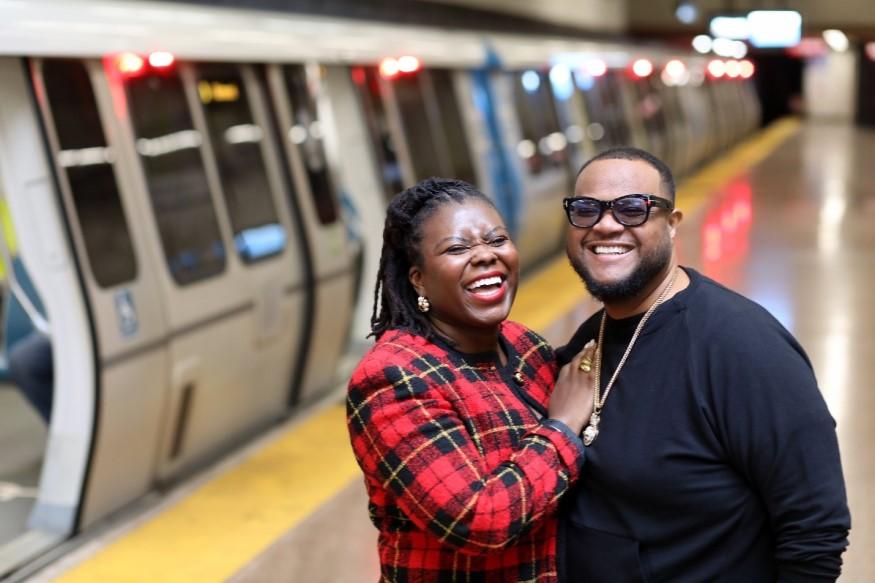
(592, 429)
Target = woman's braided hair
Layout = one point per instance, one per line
(394, 296)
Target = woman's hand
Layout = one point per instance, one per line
(571, 400)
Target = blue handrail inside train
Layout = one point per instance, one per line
(16, 323)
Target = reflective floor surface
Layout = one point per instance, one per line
(796, 233)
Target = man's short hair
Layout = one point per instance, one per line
(630, 153)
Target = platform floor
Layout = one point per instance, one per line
(788, 219)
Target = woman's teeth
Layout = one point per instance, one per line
(488, 281)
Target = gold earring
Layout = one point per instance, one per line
(423, 304)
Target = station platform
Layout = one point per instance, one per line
(786, 218)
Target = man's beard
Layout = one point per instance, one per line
(651, 265)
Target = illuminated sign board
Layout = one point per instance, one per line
(775, 28)
(761, 28)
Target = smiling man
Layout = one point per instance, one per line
(711, 453)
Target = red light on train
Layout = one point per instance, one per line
(389, 68)
(359, 77)
(161, 60)
(747, 69)
(130, 64)
(392, 67)
(642, 68)
(716, 68)
(408, 64)
(733, 69)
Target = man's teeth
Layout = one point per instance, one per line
(610, 250)
(495, 280)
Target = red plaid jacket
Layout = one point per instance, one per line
(463, 477)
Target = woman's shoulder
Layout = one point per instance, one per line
(396, 348)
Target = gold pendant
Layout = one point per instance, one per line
(592, 430)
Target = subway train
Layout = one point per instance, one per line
(192, 199)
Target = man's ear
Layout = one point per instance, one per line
(674, 219)
(415, 277)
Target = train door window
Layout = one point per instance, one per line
(649, 108)
(418, 117)
(543, 145)
(598, 128)
(370, 94)
(87, 163)
(307, 134)
(170, 150)
(451, 125)
(612, 96)
(237, 143)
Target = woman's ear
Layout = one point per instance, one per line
(415, 277)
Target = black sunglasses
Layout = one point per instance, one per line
(630, 210)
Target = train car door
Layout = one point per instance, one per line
(126, 317)
(204, 172)
(529, 116)
(351, 145)
(306, 127)
(43, 247)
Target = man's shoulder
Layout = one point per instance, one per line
(720, 316)
(723, 305)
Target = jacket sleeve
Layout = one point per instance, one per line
(410, 440)
(782, 439)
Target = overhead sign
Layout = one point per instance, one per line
(774, 28)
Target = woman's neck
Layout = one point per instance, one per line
(470, 341)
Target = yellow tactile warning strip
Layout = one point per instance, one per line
(556, 289)
(223, 525)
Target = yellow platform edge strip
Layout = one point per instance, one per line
(227, 522)
(224, 524)
(556, 289)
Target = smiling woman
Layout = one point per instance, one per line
(466, 437)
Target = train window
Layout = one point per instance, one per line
(430, 119)
(87, 163)
(649, 108)
(433, 125)
(170, 149)
(543, 144)
(621, 133)
(419, 123)
(307, 134)
(604, 105)
(458, 153)
(367, 82)
(237, 141)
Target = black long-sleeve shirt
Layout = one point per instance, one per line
(717, 458)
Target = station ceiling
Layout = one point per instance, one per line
(657, 17)
(595, 18)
